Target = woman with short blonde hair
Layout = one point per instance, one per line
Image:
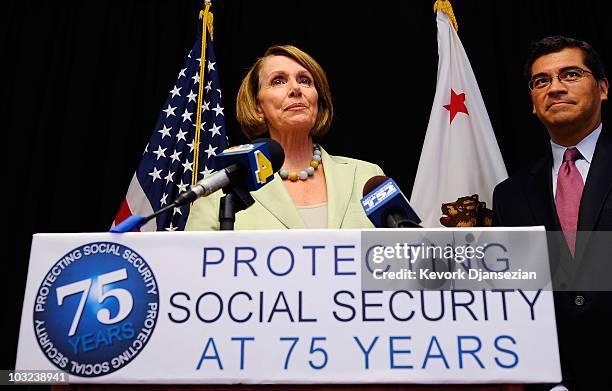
(286, 94)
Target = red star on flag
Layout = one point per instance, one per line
(457, 105)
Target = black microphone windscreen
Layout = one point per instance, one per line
(372, 183)
(277, 154)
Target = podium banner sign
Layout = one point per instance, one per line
(296, 306)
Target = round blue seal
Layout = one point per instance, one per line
(96, 309)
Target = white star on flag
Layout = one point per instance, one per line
(175, 156)
(218, 110)
(192, 96)
(181, 135)
(211, 151)
(165, 131)
(170, 177)
(155, 174)
(215, 130)
(182, 186)
(161, 152)
(186, 116)
(176, 91)
(187, 166)
(169, 111)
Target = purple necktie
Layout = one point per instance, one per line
(569, 192)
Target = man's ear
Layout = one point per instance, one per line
(533, 110)
(603, 89)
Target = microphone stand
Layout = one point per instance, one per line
(135, 222)
(396, 220)
(234, 200)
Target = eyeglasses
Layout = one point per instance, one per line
(567, 76)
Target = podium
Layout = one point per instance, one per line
(268, 387)
(269, 310)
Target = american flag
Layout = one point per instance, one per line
(169, 161)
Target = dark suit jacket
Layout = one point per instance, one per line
(583, 307)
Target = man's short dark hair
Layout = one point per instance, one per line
(557, 43)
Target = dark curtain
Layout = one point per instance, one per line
(83, 84)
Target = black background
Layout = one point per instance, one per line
(84, 82)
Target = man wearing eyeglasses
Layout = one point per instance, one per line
(570, 191)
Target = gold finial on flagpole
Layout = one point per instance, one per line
(207, 17)
(446, 7)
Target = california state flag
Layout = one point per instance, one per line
(460, 162)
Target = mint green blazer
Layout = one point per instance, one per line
(274, 208)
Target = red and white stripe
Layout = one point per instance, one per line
(136, 203)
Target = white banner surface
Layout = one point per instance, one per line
(264, 307)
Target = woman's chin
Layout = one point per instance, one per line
(299, 126)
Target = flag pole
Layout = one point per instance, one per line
(207, 27)
(159, 178)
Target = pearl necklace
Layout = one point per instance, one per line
(308, 171)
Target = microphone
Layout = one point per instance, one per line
(247, 167)
(386, 206)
